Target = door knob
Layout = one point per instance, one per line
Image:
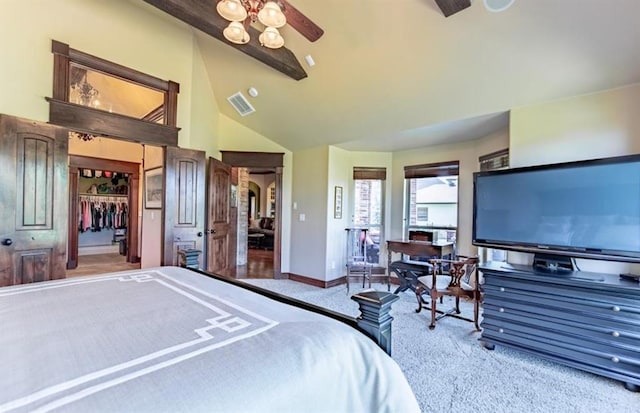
(7, 241)
(200, 234)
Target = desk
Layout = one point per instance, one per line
(441, 249)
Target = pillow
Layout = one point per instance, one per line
(254, 223)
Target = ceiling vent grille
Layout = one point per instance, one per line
(241, 104)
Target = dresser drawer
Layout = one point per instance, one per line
(604, 298)
(612, 320)
(620, 361)
(618, 309)
(607, 333)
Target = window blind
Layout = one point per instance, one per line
(362, 172)
(432, 170)
(495, 160)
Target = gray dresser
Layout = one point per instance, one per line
(589, 321)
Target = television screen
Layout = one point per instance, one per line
(587, 209)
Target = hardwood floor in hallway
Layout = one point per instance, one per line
(259, 265)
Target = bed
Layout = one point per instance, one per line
(172, 339)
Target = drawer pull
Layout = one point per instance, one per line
(500, 330)
(501, 310)
(615, 359)
(615, 334)
(616, 308)
(501, 289)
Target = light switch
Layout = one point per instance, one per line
(295, 205)
(302, 217)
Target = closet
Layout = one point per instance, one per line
(103, 208)
(103, 211)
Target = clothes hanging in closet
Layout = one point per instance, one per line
(95, 214)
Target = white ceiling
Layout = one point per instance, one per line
(396, 74)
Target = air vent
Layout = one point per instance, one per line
(241, 104)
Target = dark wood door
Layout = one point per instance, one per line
(184, 203)
(221, 258)
(33, 201)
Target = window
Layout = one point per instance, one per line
(432, 200)
(368, 206)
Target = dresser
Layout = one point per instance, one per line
(590, 321)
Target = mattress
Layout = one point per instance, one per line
(170, 339)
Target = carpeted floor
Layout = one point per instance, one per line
(450, 371)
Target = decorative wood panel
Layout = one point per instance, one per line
(97, 122)
(35, 192)
(33, 266)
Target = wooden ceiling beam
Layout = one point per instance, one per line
(202, 15)
(450, 7)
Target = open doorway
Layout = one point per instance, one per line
(261, 213)
(104, 197)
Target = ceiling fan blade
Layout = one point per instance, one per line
(300, 22)
(450, 7)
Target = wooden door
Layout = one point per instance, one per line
(221, 238)
(33, 201)
(183, 203)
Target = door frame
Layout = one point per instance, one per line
(239, 159)
(77, 162)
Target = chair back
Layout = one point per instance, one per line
(461, 270)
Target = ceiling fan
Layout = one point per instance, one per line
(273, 14)
(450, 7)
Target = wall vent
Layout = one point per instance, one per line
(241, 104)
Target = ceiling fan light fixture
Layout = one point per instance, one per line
(232, 10)
(271, 38)
(271, 15)
(236, 33)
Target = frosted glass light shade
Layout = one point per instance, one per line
(271, 38)
(231, 10)
(236, 33)
(270, 15)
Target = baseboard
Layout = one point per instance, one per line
(338, 281)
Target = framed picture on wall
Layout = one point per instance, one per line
(153, 188)
(337, 203)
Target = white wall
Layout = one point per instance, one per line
(151, 244)
(340, 174)
(597, 125)
(309, 237)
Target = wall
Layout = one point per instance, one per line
(309, 233)
(597, 125)
(340, 173)
(151, 244)
(467, 153)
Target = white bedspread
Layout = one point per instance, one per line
(168, 339)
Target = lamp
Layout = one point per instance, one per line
(243, 12)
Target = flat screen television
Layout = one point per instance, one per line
(586, 209)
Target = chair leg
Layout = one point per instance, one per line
(476, 312)
(457, 304)
(434, 301)
(419, 291)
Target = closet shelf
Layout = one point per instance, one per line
(104, 195)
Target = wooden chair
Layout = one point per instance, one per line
(456, 278)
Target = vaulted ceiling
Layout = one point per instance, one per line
(396, 74)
